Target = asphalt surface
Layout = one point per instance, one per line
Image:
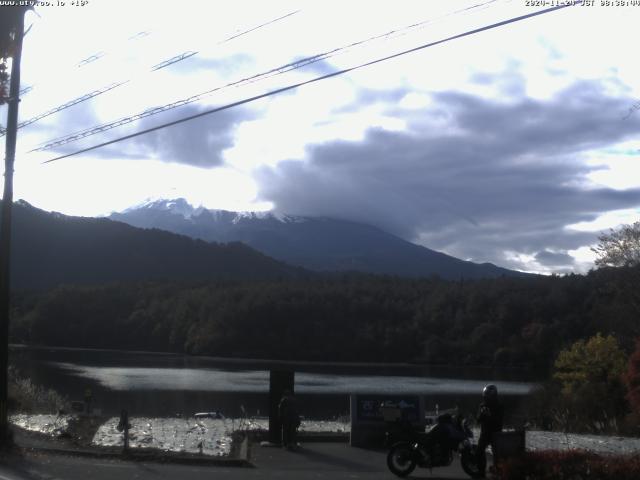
(316, 460)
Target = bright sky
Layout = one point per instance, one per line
(514, 146)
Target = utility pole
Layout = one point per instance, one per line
(11, 34)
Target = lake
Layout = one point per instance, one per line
(169, 385)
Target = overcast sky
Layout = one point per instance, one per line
(514, 146)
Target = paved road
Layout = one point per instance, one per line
(312, 461)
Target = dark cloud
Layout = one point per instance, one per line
(64, 122)
(579, 118)
(554, 259)
(199, 142)
(73, 120)
(475, 177)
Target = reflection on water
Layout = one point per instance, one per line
(166, 385)
(218, 380)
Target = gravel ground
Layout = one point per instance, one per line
(214, 435)
(208, 436)
(52, 425)
(539, 440)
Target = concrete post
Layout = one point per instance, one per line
(279, 381)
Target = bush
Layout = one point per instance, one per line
(544, 409)
(26, 397)
(571, 464)
(592, 391)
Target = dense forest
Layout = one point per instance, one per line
(51, 249)
(346, 317)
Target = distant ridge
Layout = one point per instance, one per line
(50, 249)
(317, 243)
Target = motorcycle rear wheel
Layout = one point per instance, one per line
(401, 459)
(469, 463)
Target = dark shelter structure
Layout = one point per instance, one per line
(280, 380)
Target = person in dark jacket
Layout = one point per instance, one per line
(490, 417)
(289, 419)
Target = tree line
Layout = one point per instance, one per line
(346, 317)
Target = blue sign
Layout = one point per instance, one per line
(370, 408)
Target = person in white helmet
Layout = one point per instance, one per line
(490, 417)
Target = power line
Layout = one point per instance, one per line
(258, 26)
(69, 104)
(251, 79)
(170, 106)
(99, 91)
(172, 60)
(158, 66)
(139, 35)
(81, 63)
(336, 51)
(90, 58)
(313, 80)
(100, 54)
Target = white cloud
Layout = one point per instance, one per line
(611, 219)
(100, 187)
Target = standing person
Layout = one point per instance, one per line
(88, 396)
(289, 419)
(490, 417)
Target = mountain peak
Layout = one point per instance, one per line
(182, 207)
(24, 203)
(317, 243)
(177, 206)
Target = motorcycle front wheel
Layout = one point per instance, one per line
(469, 463)
(401, 459)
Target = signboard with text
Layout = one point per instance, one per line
(371, 408)
(374, 415)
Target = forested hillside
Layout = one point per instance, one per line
(51, 249)
(506, 321)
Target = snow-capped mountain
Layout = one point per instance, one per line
(181, 207)
(178, 206)
(317, 243)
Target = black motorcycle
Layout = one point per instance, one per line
(435, 448)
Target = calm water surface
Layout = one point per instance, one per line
(166, 385)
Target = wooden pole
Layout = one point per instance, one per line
(7, 204)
